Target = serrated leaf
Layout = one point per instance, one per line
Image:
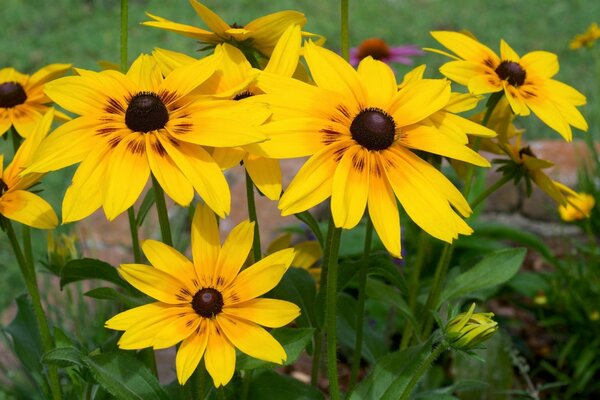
(64, 357)
(90, 268)
(124, 376)
(293, 340)
(494, 269)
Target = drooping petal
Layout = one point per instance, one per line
(156, 283)
(205, 243)
(190, 353)
(258, 278)
(28, 208)
(271, 313)
(220, 356)
(127, 174)
(350, 187)
(251, 339)
(266, 175)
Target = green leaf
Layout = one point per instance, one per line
(374, 344)
(298, 287)
(293, 340)
(391, 374)
(108, 293)
(90, 268)
(25, 336)
(312, 224)
(64, 357)
(270, 385)
(147, 203)
(529, 283)
(494, 269)
(124, 376)
(377, 290)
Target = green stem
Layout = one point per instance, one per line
(135, 240)
(246, 381)
(316, 358)
(332, 250)
(491, 189)
(436, 289)
(360, 307)
(124, 34)
(163, 215)
(422, 369)
(413, 284)
(256, 250)
(28, 273)
(345, 39)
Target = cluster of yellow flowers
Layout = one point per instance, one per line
(182, 121)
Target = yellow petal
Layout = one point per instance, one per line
(188, 77)
(220, 356)
(251, 339)
(211, 19)
(551, 115)
(178, 330)
(48, 73)
(186, 30)
(463, 71)
(265, 174)
(132, 317)
(286, 53)
(28, 118)
(205, 243)
(145, 72)
(156, 283)
(169, 60)
(259, 278)
(233, 253)
(465, 47)
(307, 254)
(416, 101)
(265, 31)
(190, 353)
(227, 157)
(169, 260)
(350, 187)
(28, 208)
(141, 334)
(271, 313)
(379, 82)
(383, 208)
(540, 63)
(123, 189)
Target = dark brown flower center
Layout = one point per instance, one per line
(243, 95)
(512, 72)
(375, 48)
(207, 302)
(373, 129)
(526, 151)
(3, 187)
(146, 112)
(11, 94)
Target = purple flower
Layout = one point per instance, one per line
(379, 50)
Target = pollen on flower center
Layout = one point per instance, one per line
(11, 94)
(207, 302)
(376, 48)
(146, 112)
(512, 72)
(373, 129)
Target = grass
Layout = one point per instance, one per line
(82, 32)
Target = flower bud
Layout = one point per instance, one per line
(468, 330)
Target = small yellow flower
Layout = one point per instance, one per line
(16, 203)
(208, 304)
(526, 81)
(307, 254)
(468, 330)
(587, 38)
(22, 98)
(61, 249)
(579, 206)
(260, 35)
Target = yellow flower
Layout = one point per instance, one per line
(236, 79)
(359, 130)
(526, 81)
(16, 203)
(307, 254)
(207, 304)
(260, 35)
(468, 330)
(579, 206)
(22, 99)
(587, 38)
(140, 123)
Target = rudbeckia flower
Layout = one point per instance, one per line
(380, 50)
(16, 203)
(260, 35)
(579, 206)
(587, 38)
(140, 123)
(207, 304)
(22, 99)
(526, 81)
(359, 131)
